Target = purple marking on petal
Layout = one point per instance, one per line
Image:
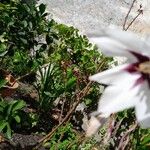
(132, 68)
(141, 58)
(139, 81)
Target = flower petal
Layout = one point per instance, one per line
(115, 76)
(111, 47)
(94, 125)
(130, 41)
(117, 98)
(143, 107)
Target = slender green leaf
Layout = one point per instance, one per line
(18, 105)
(3, 124)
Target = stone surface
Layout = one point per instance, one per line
(91, 15)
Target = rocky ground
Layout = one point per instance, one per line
(91, 15)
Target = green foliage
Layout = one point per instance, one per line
(21, 27)
(63, 60)
(2, 82)
(45, 86)
(63, 138)
(10, 113)
(72, 59)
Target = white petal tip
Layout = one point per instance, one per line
(94, 125)
(93, 78)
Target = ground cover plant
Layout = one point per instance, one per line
(44, 77)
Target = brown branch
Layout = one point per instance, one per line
(126, 18)
(110, 129)
(126, 143)
(31, 72)
(79, 98)
(121, 145)
(62, 109)
(116, 128)
(24, 76)
(140, 12)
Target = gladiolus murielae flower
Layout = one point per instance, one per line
(128, 84)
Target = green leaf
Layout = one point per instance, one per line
(30, 25)
(49, 39)
(2, 47)
(45, 14)
(88, 101)
(146, 140)
(18, 105)
(3, 53)
(43, 48)
(1, 110)
(14, 106)
(9, 131)
(42, 8)
(3, 104)
(24, 41)
(17, 118)
(25, 23)
(49, 94)
(27, 8)
(71, 82)
(69, 72)
(17, 58)
(3, 124)
(2, 82)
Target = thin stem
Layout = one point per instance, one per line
(79, 97)
(121, 144)
(126, 18)
(140, 12)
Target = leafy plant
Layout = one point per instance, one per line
(63, 60)
(70, 62)
(21, 28)
(45, 86)
(64, 137)
(10, 113)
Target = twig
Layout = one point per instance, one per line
(31, 72)
(126, 18)
(126, 143)
(110, 129)
(62, 109)
(117, 127)
(24, 76)
(79, 97)
(140, 12)
(121, 145)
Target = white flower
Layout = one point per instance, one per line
(128, 84)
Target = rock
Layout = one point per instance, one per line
(25, 142)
